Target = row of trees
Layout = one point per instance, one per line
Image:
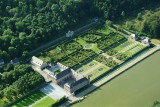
(21, 86)
(9, 77)
(151, 24)
(26, 24)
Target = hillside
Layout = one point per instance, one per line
(27, 24)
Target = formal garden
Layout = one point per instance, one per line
(89, 50)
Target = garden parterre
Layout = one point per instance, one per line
(81, 51)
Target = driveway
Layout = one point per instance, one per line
(54, 91)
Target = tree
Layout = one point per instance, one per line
(13, 52)
(109, 23)
(25, 55)
(156, 104)
(19, 26)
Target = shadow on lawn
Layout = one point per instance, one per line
(30, 99)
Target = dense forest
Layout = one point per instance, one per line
(27, 24)
(17, 82)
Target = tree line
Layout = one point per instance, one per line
(17, 82)
(27, 24)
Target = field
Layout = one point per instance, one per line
(46, 102)
(30, 99)
(137, 87)
(95, 52)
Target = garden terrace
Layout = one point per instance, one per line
(82, 52)
(97, 72)
(122, 56)
(112, 52)
(87, 53)
(107, 61)
(68, 62)
(90, 37)
(78, 57)
(104, 30)
(128, 49)
(64, 50)
(111, 41)
(71, 46)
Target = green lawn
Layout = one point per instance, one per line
(99, 71)
(87, 66)
(30, 99)
(46, 102)
(95, 48)
(82, 42)
(156, 41)
(104, 30)
(124, 45)
(134, 50)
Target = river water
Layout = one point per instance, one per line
(137, 87)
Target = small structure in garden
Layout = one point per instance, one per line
(146, 41)
(1, 62)
(15, 61)
(69, 33)
(38, 62)
(133, 37)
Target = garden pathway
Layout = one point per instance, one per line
(114, 58)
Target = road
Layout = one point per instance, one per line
(111, 76)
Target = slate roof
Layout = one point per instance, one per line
(63, 73)
(78, 82)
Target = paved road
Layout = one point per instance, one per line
(113, 75)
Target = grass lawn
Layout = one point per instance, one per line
(82, 42)
(95, 48)
(134, 50)
(124, 45)
(99, 71)
(104, 30)
(46, 102)
(156, 41)
(87, 66)
(30, 99)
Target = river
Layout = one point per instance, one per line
(137, 87)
